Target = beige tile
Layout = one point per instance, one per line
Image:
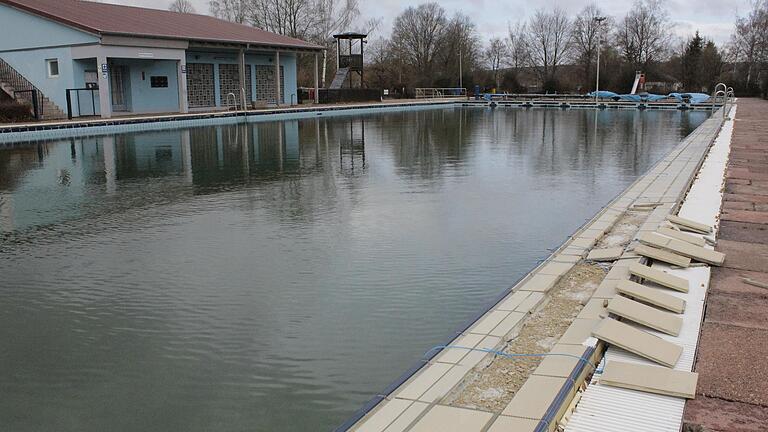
(662, 255)
(513, 300)
(489, 322)
(564, 258)
(534, 397)
(445, 383)
(555, 269)
(652, 295)
(384, 416)
(683, 248)
(618, 271)
(651, 379)
(539, 283)
(454, 355)
(649, 316)
(690, 225)
(657, 276)
(513, 424)
(451, 419)
(692, 239)
(578, 331)
(575, 251)
(508, 323)
(474, 357)
(405, 419)
(583, 242)
(609, 254)
(594, 309)
(531, 302)
(425, 379)
(560, 366)
(606, 289)
(639, 342)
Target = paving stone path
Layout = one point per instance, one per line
(732, 394)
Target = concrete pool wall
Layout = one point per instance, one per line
(420, 399)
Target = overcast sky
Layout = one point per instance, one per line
(713, 18)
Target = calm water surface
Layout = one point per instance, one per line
(274, 276)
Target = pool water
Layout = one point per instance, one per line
(273, 276)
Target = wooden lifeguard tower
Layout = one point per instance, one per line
(349, 59)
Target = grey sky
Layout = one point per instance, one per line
(714, 18)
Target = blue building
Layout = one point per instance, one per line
(108, 60)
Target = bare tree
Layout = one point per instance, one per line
(237, 11)
(495, 56)
(519, 53)
(644, 35)
(182, 6)
(417, 36)
(548, 39)
(458, 50)
(749, 42)
(587, 33)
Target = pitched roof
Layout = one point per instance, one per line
(102, 18)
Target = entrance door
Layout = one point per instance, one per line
(119, 80)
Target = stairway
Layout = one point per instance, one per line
(338, 80)
(12, 81)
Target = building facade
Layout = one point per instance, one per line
(107, 60)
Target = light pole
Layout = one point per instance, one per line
(599, 20)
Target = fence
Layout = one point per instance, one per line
(84, 100)
(23, 90)
(437, 92)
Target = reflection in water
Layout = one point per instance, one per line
(274, 275)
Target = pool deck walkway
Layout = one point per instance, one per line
(732, 394)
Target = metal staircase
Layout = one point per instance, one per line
(341, 76)
(20, 89)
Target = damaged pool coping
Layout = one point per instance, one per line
(616, 208)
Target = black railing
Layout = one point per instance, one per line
(88, 102)
(353, 62)
(28, 93)
(32, 99)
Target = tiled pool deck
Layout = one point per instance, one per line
(419, 403)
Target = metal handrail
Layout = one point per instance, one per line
(440, 92)
(22, 86)
(234, 99)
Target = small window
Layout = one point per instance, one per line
(53, 68)
(158, 81)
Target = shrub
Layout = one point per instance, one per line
(11, 112)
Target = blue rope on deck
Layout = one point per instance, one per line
(508, 355)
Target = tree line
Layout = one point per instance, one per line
(550, 51)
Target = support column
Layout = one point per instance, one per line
(317, 87)
(182, 79)
(278, 90)
(241, 70)
(105, 97)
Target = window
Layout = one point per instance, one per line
(158, 81)
(53, 68)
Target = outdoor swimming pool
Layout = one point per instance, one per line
(274, 276)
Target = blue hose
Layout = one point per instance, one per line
(507, 355)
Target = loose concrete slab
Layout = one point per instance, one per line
(609, 254)
(690, 225)
(513, 424)
(578, 331)
(555, 269)
(594, 309)
(450, 419)
(657, 276)
(651, 379)
(639, 342)
(648, 316)
(560, 365)
(507, 324)
(540, 283)
(683, 248)
(662, 255)
(535, 397)
(606, 289)
(692, 239)
(530, 303)
(651, 295)
(513, 300)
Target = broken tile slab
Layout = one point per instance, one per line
(657, 276)
(638, 342)
(689, 238)
(407, 417)
(513, 424)
(563, 258)
(540, 283)
(507, 324)
(489, 322)
(683, 248)
(594, 309)
(578, 331)
(609, 254)
(530, 303)
(651, 379)
(651, 295)
(513, 300)
(561, 365)
(474, 357)
(583, 242)
(575, 251)
(555, 269)
(648, 316)
(534, 397)
(454, 355)
(662, 255)
(423, 380)
(618, 271)
(690, 225)
(451, 419)
(606, 289)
